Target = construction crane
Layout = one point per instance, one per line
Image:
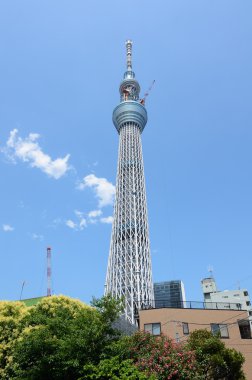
(142, 101)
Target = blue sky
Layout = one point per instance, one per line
(60, 68)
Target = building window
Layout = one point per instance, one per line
(244, 328)
(245, 293)
(220, 329)
(153, 328)
(185, 328)
(248, 303)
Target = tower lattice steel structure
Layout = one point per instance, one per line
(129, 273)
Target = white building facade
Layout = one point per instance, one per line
(235, 299)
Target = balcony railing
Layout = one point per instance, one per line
(159, 304)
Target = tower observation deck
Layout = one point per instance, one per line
(129, 273)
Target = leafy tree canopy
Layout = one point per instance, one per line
(216, 361)
(114, 368)
(11, 315)
(157, 357)
(58, 336)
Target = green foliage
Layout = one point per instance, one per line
(157, 357)
(234, 361)
(114, 369)
(109, 310)
(121, 348)
(11, 316)
(58, 337)
(216, 362)
(204, 357)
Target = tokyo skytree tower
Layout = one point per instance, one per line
(129, 273)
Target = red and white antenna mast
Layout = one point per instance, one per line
(49, 272)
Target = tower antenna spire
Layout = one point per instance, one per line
(128, 44)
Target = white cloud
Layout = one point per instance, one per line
(108, 220)
(21, 204)
(83, 223)
(92, 221)
(37, 237)
(103, 189)
(94, 213)
(56, 222)
(92, 217)
(7, 228)
(28, 150)
(71, 224)
(82, 220)
(78, 213)
(80, 224)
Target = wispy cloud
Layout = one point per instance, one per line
(94, 213)
(82, 220)
(56, 223)
(80, 223)
(108, 220)
(78, 213)
(37, 237)
(28, 150)
(21, 204)
(103, 189)
(7, 228)
(71, 224)
(91, 166)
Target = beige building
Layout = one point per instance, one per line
(178, 323)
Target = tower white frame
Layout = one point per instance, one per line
(129, 272)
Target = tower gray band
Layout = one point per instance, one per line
(129, 273)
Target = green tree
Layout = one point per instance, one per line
(156, 356)
(59, 336)
(216, 361)
(11, 316)
(114, 368)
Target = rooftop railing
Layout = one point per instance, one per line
(159, 304)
